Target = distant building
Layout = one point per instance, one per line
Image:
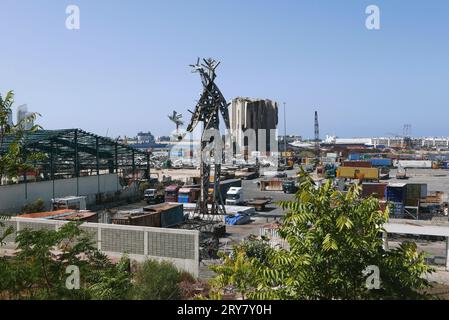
(22, 114)
(256, 114)
(10, 119)
(164, 139)
(145, 137)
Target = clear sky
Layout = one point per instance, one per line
(127, 68)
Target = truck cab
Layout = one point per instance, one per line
(171, 193)
(289, 187)
(152, 196)
(235, 197)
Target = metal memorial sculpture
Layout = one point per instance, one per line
(209, 106)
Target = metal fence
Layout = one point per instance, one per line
(275, 240)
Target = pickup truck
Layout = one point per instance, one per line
(152, 196)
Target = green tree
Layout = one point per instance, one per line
(13, 158)
(38, 270)
(332, 238)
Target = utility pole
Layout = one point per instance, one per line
(317, 138)
(285, 133)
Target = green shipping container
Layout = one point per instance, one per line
(172, 216)
(415, 191)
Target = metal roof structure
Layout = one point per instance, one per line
(414, 227)
(72, 153)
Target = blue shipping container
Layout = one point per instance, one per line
(397, 194)
(354, 157)
(380, 162)
(397, 210)
(439, 157)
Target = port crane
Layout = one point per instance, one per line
(317, 140)
(210, 105)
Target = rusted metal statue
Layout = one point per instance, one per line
(210, 105)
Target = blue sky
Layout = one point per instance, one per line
(127, 68)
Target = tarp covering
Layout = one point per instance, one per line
(238, 219)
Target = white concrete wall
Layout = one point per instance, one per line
(180, 247)
(14, 197)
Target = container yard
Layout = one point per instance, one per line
(235, 200)
(150, 150)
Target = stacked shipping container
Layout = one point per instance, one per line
(415, 192)
(396, 195)
(381, 162)
(358, 173)
(157, 216)
(357, 164)
(376, 190)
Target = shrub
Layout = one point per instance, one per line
(157, 281)
(37, 206)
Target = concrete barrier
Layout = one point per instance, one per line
(180, 247)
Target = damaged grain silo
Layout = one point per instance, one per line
(260, 115)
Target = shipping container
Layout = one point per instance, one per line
(161, 215)
(357, 164)
(354, 157)
(414, 164)
(358, 173)
(188, 195)
(172, 216)
(381, 162)
(434, 197)
(397, 210)
(271, 185)
(396, 192)
(138, 218)
(415, 192)
(439, 157)
(376, 190)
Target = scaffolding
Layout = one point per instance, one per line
(72, 153)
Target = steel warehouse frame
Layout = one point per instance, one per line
(71, 153)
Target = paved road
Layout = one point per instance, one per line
(251, 190)
(436, 179)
